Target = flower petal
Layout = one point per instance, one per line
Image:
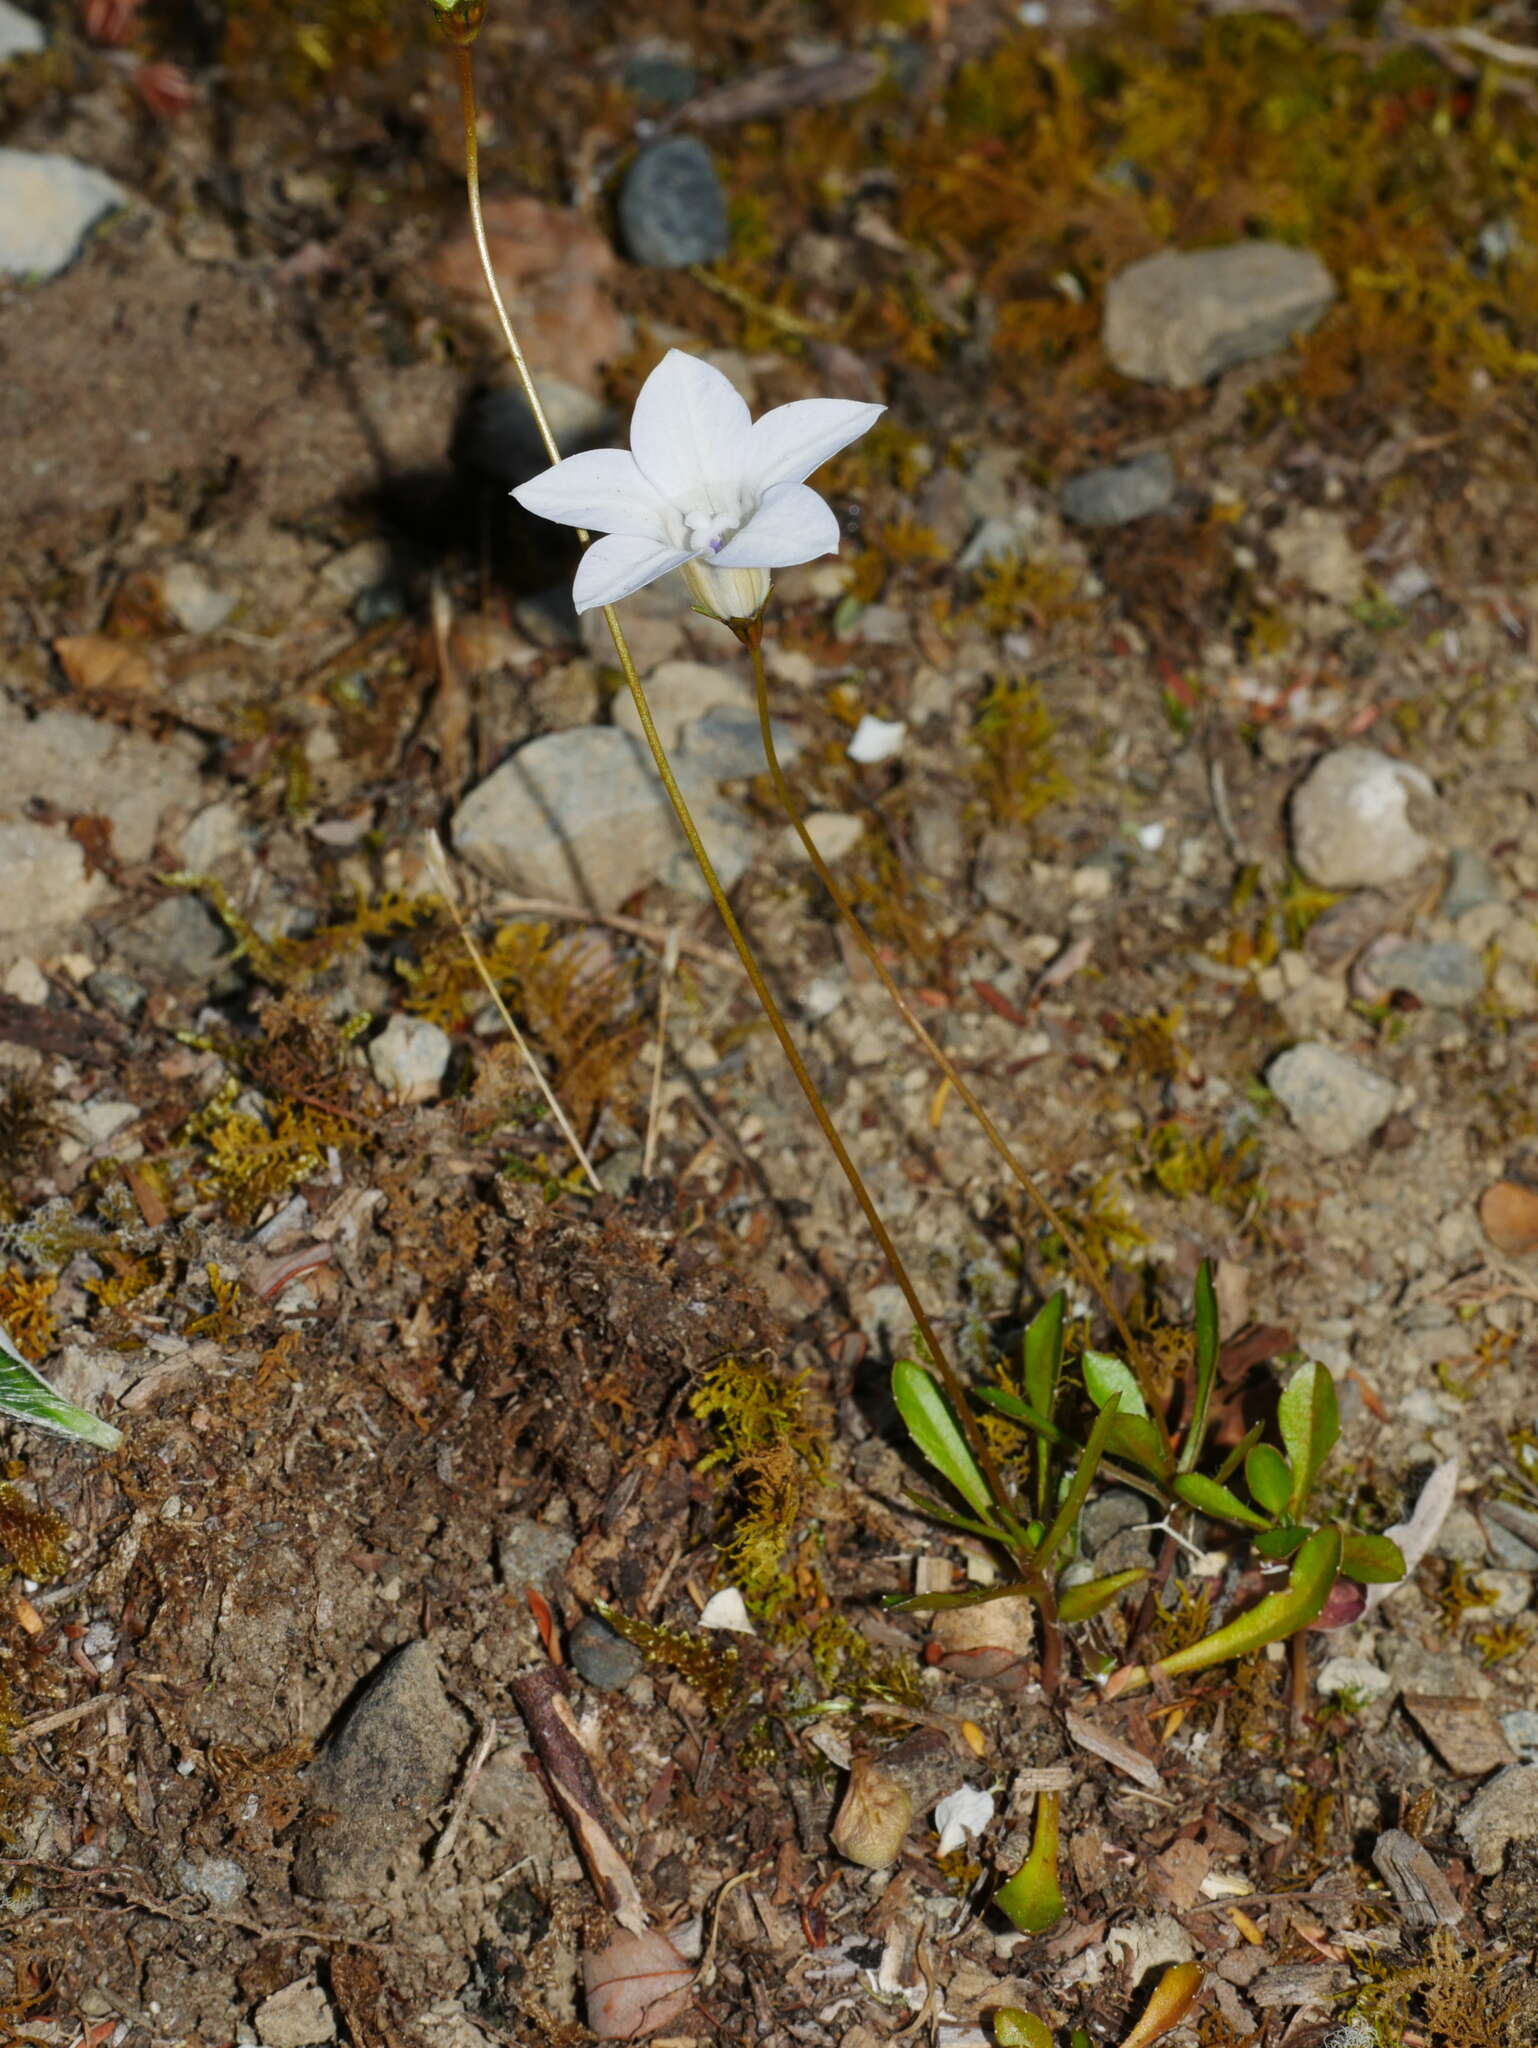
(792, 525)
(602, 490)
(689, 429)
(786, 445)
(618, 564)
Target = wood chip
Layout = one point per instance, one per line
(1112, 1750)
(1421, 1892)
(1180, 1872)
(1463, 1732)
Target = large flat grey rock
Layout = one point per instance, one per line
(21, 35)
(1182, 317)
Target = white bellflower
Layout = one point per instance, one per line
(704, 488)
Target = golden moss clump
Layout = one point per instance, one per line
(1015, 771)
(768, 1444)
(712, 1667)
(303, 47)
(32, 1538)
(1448, 1998)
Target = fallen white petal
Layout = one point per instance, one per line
(617, 565)
(690, 427)
(876, 739)
(960, 1815)
(727, 1610)
(1416, 1536)
(602, 490)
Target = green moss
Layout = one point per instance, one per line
(769, 1446)
(1015, 770)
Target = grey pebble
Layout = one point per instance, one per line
(1471, 883)
(1120, 493)
(1442, 973)
(378, 1779)
(176, 942)
(1521, 1730)
(604, 1659)
(119, 993)
(672, 209)
(1334, 1101)
(532, 1553)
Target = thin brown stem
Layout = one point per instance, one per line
(734, 931)
(753, 639)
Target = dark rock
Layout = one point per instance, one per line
(378, 1780)
(665, 81)
(672, 209)
(1122, 492)
(604, 1659)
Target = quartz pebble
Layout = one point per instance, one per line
(48, 203)
(1352, 819)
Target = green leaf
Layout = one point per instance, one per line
(1371, 1560)
(1309, 1416)
(1012, 1406)
(1314, 1572)
(1241, 1450)
(1207, 1346)
(1014, 2027)
(1080, 1602)
(1066, 1519)
(1042, 1365)
(1033, 1898)
(1204, 1494)
(1134, 1437)
(1105, 1376)
(950, 1517)
(937, 1434)
(1269, 1477)
(25, 1394)
(941, 1603)
(1281, 1542)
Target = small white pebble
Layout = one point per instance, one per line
(877, 739)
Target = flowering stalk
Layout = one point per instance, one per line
(460, 20)
(750, 632)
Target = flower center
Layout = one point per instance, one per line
(715, 518)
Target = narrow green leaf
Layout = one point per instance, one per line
(937, 1434)
(1105, 1376)
(1309, 1417)
(1012, 1406)
(940, 1603)
(1207, 1346)
(1080, 1602)
(1314, 1572)
(1204, 1494)
(1371, 1560)
(1065, 1521)
(1239, 1453)
(1281, 1542)
(1041, 1368)
(950, 1517)
(1269, 1477)
(25, 1394)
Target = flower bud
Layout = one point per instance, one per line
(727, 594)
(874, 1818)
(460, 20)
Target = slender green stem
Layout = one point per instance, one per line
(753, 639)
(735, 933)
